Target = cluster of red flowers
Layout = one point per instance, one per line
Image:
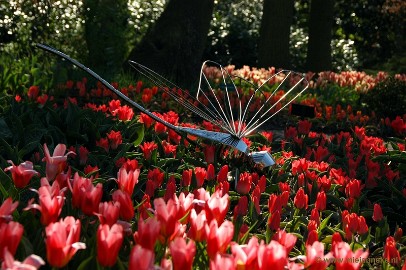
(210, 209)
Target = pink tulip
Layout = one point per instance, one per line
(272, 256)
(62, 241)
(51, 201)
(222, 262)
(198, 226)
(32, 262)
(10, 236)
(22, 173)
(86, 196)
(166, 214)
(345, 257)
(219, 238)
(141, 259)
(315, 258)
(56, 163)
(6, 209)
(109, 240)
(108, 212)
(127, 179)
(245, 256)
(217, 207)
(182, 253)
(147, 233)
(126, 204)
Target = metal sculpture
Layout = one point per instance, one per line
(236, 114)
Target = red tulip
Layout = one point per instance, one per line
(211, 175)
(32, 262)
(244, 183)
(335, 239)
(272, 256)
(57, 163)
(115, 139)
(109, 240)
(62, 241)
(346, 258)
(390, 252)
(147, 233)
(170, 188)
(398, 234)
(83, 155)
(10, 236)
(146, 120)
(315, 217)
(299, 166)
(6, 209)
(108, 212)
(304, 127)
(126, 204)
(312, 237)
(141, 259)
(156, 176)
(321, 201)
(209, 153)
(169, 149)
(124, 113)
(186, 177)
(255, 197)
(147, 148)
(377, 215)
(86, 196)
(353, 189)
(222, 174)
(219, 238)
(182, 253)
(201, 175)
(362, 225)
(274, 220)
(22, 173)
(127, 179)
(301, 199)
(241, 209)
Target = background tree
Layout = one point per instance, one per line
(106, 34)
(174, 45)
(320, 34)
(273, 46)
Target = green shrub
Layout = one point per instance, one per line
(387, 98)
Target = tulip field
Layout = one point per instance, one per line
(86, 182)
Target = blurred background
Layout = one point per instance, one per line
(173, 37)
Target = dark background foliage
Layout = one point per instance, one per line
(367, 35)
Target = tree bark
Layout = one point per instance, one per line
(174, 45)
(106, 29)
(273, 46)
(320, 34)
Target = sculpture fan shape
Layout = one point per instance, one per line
(228, 101)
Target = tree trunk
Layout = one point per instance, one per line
(174, 45)
(320, 34)
(273, 46)
(106, 29)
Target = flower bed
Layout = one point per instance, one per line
(87, 182)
